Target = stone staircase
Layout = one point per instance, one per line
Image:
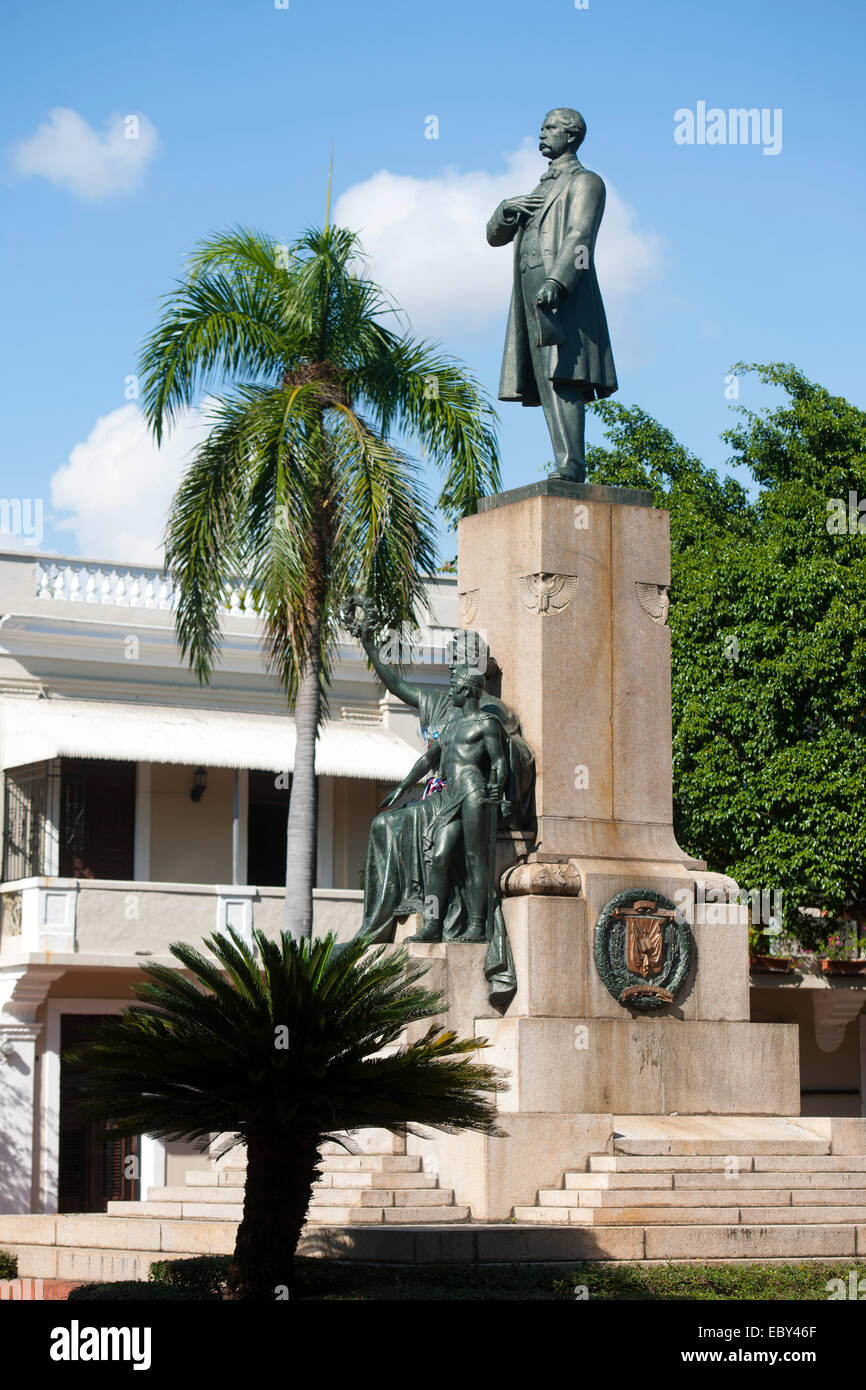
(699, 1188)
(362, 1189)
(201, 1217)
(714, 1195)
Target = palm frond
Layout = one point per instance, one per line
(202, 1055)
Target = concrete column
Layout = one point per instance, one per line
(22, 996)
(240, 825)
(325, 842)
(51, 843)
(863, 1064)
(152, 1169)
(18, 1097)
(141, 871)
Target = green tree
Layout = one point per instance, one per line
(768, 618)
(300, 490)
(280, 1056)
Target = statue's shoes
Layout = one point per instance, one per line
(477, 932)
(568, 476)
(431, 933)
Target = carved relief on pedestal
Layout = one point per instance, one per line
(562, 880)
(468, 606)
(643, 949)
(547, 593)
(655, 600)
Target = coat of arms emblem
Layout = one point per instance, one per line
(643, 949)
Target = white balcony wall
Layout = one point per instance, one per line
(116, 918)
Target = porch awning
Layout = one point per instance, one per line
(34, 730)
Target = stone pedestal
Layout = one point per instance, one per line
(569, 586)
(567, 583)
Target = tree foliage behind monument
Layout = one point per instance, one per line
(768, 626)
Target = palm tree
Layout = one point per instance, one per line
(280, 1056)
(299, 488)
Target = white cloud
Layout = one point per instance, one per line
(117, 486)
(92, 165)
(426, 244)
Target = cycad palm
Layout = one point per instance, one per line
(299, 489)
(281, 1055)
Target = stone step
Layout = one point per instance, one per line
(599, 1182)
(756, 1197)
(101, 1232)
(746, 1147)
(698, 1217)
(752, 1242)
(721, 1215)
(182, 1194)
(536, 1241)
(781, 1163)
(357, 1197)
(170, 1210)
(668, 1197)
(370, 1216)
(687, 1135)
(717, 1182)
(829, 1163)
(814, 1182)
(412, 1215)
(373, 1178)
(381, 1197)
(374, 1163)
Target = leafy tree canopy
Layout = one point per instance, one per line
(768, 617)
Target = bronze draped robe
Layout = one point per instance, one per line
(401, 837)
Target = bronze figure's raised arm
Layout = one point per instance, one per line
(437, 856)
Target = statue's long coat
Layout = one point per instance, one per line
(569, 221)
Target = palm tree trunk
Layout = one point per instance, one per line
(302, 829)
(281, 1169)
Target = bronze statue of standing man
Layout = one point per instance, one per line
(557, 348)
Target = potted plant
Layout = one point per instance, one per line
(759, 951)
(840, 955)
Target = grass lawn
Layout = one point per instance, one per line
(339, 1280)
(332, 1279)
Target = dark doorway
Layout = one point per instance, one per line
(97, 819)
(93, 1168)
(267, 819)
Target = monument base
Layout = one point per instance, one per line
(573, 1056)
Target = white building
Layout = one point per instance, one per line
(139, 809)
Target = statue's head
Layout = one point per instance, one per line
(562, 129)
(465, 685)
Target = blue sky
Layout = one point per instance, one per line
(708, 254)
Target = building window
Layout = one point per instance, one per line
(97, 819)
(29, 815)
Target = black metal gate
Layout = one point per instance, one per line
(29, 793)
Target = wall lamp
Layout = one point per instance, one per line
(7, 1049)
(199, 786)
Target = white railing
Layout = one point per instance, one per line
(140, 586)
(126, 586)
